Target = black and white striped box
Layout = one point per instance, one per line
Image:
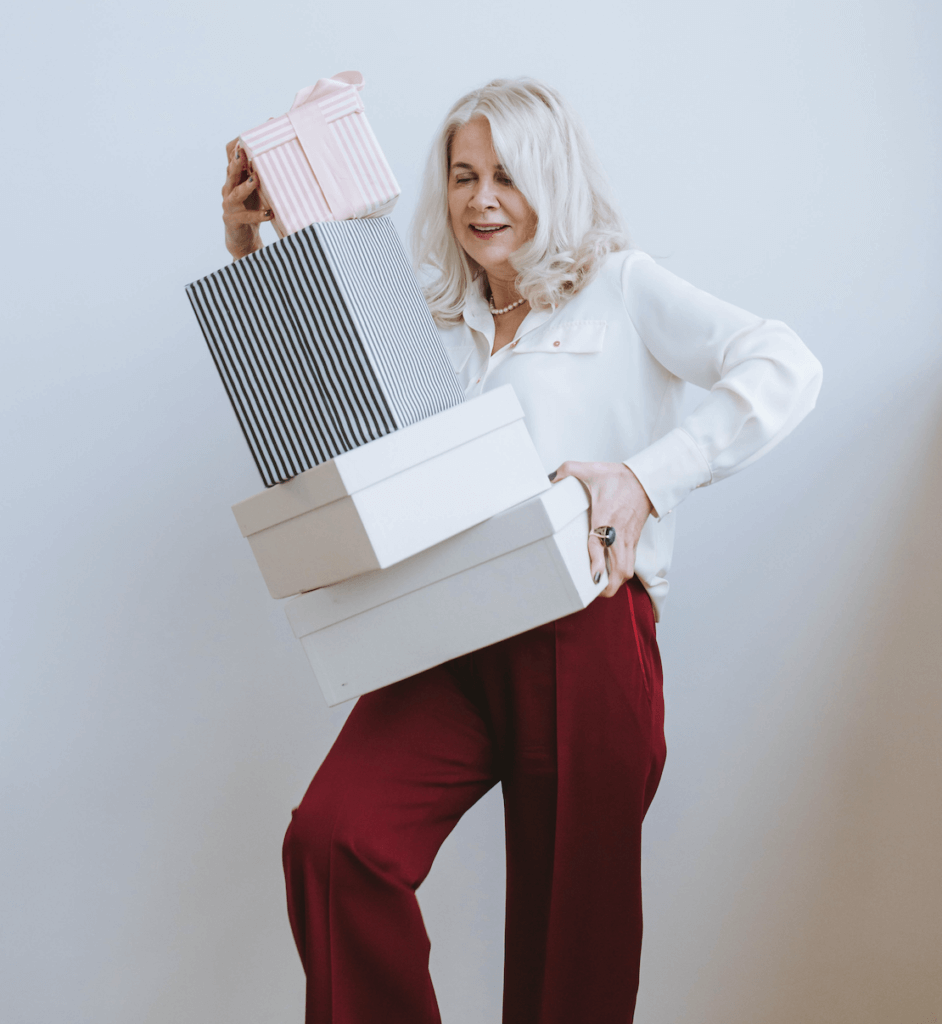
(324, 343)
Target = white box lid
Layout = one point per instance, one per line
(530, 521)
(361, 467)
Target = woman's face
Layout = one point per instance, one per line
(489, 217)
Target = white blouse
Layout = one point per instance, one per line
(600, 379)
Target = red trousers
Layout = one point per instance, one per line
(569, 719)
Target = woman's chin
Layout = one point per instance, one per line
(491, 260)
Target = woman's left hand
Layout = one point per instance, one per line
(241, 204)
(617, 500)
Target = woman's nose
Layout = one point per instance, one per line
(484, 197)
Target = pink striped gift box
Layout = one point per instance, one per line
(321, 160)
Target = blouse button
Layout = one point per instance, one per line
(555, 344)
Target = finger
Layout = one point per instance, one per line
(621, 569)
(234, 172)
(611, 559)
(239, 218)
(568, 468)
(615, 583)
(601, 557)
(231, 146)
(596, 558)
(234, 204)
(241, 192)
(616, 580)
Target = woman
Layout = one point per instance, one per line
(535, 285)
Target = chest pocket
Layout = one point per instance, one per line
(574, 337)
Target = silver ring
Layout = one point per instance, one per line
(606, 534)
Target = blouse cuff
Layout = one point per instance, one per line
(670, 469)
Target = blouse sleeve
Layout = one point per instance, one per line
(762, 381)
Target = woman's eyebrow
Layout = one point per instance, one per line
(468, 167)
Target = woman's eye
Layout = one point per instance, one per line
(462, 181)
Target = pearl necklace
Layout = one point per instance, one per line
(506, 309)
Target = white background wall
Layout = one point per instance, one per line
(157, 718)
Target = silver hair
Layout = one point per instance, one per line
(544, 148)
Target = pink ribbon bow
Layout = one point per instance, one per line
(314, 108)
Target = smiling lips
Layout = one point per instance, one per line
(487, 230)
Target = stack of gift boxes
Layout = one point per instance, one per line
(409, 526)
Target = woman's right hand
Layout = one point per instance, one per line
(240, 205)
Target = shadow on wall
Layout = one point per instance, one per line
(857, 933)
(871, 942)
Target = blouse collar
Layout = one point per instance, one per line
(478, 317)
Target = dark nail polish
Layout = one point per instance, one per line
(268, 213)
(251, 177)
(596, 577)
(552, 476)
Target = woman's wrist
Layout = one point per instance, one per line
(237, 252)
